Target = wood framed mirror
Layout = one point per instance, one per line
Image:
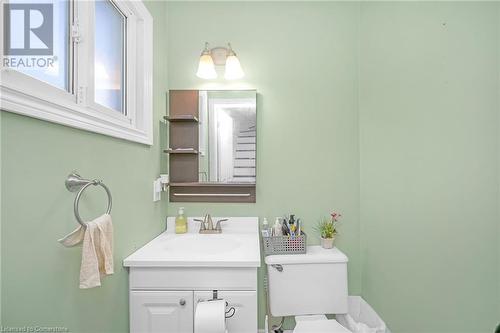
(212, 145)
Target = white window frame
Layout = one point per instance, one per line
(23, 94)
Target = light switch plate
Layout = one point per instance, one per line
(157, 190)
(158, 186)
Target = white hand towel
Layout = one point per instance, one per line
(97, 250)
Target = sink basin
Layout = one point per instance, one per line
(206, 244)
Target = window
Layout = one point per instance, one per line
(85, 64)
(109, 56)
(58, 73)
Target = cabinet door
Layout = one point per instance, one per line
(161, 311)
(245, 304)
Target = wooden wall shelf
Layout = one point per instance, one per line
(183, 133)
(209, 184)
(212, 192)
(179, 118)
(177, 151)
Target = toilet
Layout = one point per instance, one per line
(309, 286)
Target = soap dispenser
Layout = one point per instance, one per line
(180, 222)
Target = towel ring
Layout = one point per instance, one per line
(76, 183)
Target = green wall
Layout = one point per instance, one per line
(420, 164)
(301, 58)
(39, 275)
(429, 164)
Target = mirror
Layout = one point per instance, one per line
(227, 136)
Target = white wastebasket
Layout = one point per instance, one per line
(361, 317)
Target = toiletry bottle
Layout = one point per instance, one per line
(181, 222)
(291, 222)
(285, 227)
(265, 228)
(278, 227)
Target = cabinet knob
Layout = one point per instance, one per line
(182, 302)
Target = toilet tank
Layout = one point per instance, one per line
(306, 284)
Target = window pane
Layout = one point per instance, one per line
(109, 56)
(44, 52)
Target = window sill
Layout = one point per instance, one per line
(69, 115)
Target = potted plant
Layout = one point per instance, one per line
(327, 228)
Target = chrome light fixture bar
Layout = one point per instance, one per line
(219, 56)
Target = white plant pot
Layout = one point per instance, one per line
(327, 243)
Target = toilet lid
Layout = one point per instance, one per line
(320, 326)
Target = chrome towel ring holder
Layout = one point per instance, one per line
(75, 183)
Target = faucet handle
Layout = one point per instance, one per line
(202, 223)
(218, 226)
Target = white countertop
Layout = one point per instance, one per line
(237, 246)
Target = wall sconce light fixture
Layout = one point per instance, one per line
(219, 56)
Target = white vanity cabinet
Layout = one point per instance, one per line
(172, 273)
(160, 303)
(161, 311)
(173, 311)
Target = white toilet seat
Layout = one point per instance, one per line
(318, 324)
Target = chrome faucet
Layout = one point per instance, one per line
(207, 225)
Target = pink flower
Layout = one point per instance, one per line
(335, 216)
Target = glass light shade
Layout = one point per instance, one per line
(206, 67)
(233, 68)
